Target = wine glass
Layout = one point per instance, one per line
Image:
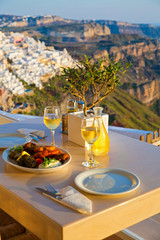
(52, 120)
(90, 130)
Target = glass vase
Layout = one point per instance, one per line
(101, 146)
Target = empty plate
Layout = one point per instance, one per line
(107, 181)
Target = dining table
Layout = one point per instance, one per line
(49, 220)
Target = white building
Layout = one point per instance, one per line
(29, 63)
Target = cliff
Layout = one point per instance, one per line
(143, 79)
(92, 30)
(148, 48)
(23, 21)
(47, 20)
(145, 30)
(146, 92)
(75, 32)
(114, 27)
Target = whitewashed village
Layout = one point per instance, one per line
(23, 58)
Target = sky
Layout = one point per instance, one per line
(133, 11)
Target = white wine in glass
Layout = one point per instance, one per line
(90, 130)
(52, 120)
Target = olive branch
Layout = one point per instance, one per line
(98, 77)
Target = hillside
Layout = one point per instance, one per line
(135, 43)
(123, 109)
(126, 111)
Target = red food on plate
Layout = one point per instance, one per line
(39, 161)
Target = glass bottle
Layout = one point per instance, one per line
(64, 125)
(71, 106)
(80, 106)
(101, 146)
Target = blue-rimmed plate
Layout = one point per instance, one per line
(107, 181)
(11, 139)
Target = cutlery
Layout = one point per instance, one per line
(49, 194)
(34, 138)
(70, 201)
(50, 188)
(39, 137)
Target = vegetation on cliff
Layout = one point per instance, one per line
(124, 110)
(127, 111)
(52, 93)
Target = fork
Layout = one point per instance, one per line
(50, 188)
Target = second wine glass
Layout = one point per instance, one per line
(52, 120)
(90, 130)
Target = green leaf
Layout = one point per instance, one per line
(93, 76)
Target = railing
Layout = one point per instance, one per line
(152, 138)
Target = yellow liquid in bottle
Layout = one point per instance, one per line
(71, 110)
(101, 145)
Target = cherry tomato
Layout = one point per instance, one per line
(39, 161)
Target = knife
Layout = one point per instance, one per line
(49, 194)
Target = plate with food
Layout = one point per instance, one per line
(31, 157)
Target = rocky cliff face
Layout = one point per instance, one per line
(146, 92)
(149, 49)
(91, 30)
(145, 30)
(78, 32)
(18, 21)
(47, 20)
(144, 75)
(145, 58)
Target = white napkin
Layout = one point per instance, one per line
(75, 200)
(28, 131)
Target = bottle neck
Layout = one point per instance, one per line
(98, 111)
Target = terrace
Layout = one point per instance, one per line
(11, 229)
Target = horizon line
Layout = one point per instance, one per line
(84, 19)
